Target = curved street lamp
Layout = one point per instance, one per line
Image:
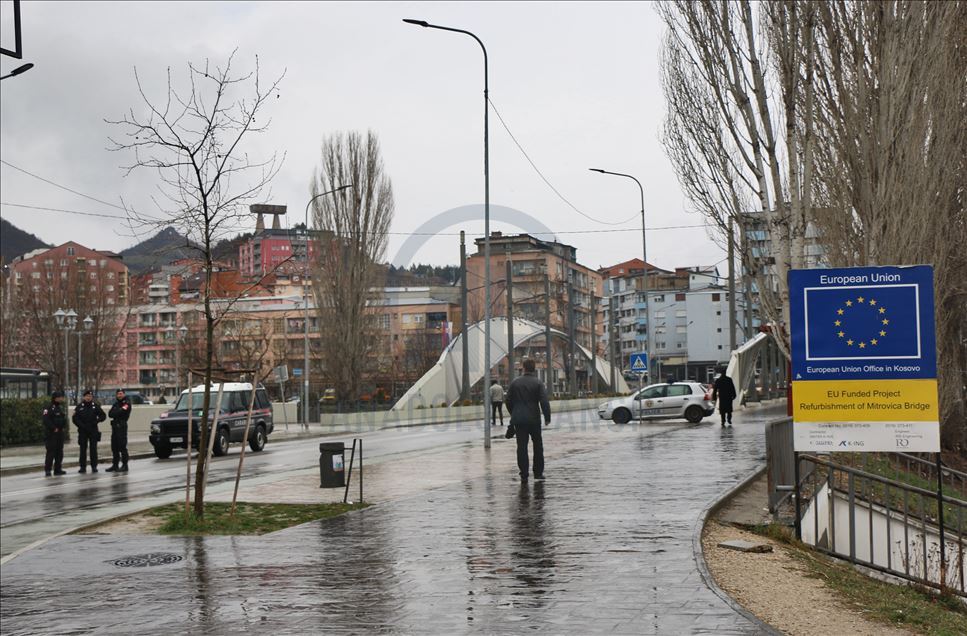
(17, 71)
(487, 309)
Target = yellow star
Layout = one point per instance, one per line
(882, 310)
(849, 342)
(886, 321)
(841, 334)
(837, 323)
(872, 301)
(860, 299)
(849, 303)
(873, 341)
(862, 345)
(882, 333)
(839, 311)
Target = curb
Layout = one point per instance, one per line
(699, 554)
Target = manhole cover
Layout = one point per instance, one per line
(146, 560)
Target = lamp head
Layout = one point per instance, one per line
(21, 69)
(596, 170)
(88, 323)
(59, 317)
(422, 23)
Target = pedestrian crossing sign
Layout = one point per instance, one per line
(639, 362)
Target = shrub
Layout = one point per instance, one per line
(21, 421)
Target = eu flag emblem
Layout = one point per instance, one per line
(877, 322)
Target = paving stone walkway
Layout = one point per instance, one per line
(603, 546)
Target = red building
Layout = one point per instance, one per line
(86, 272)
(274, 251)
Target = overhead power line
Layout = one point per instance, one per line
(545, 179)
(62, 187)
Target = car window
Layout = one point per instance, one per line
(678, 390)
(652, 392)
(262, 399)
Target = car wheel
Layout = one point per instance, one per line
(694, 414)
(621, 416)
(221, 443)
(257, 441)
(162, 451)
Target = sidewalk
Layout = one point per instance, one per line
(458, 546)
(22, 459)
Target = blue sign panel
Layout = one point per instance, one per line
(639, 362)
(297, 372)
(862, 323)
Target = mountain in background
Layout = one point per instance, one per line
(162, 248)
(15, 242)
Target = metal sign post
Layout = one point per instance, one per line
(639, 365)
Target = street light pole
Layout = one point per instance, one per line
(305, 307)
(487, 310)
(66, 321)
(644, 269)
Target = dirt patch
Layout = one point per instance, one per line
(139, 523)
(779, 590)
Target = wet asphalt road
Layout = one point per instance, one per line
(34, 507)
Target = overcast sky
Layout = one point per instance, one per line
(577, 83)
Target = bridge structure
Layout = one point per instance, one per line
(442, 383)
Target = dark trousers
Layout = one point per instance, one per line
(497, 407)
(725, 410)
(87, 439)
(54, 458)
(119, 444)
(527, 432)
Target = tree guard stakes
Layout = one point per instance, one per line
(241, 454)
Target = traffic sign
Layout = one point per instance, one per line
(297, 372)
(864, 362)
(639, 362)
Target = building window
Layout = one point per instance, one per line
(681, 329)
(35, 275)
(658, 299)
(681, 313)
(680, 345)
(63, 262)
(716, 297)
(110, 275)
(103, 262)
(93, 275)
(659, 314)
(719, 330)
(384, 321)
(50, 275)
(679, 297)
(92, 262)
(70, 251)
(63, 275)
(718, 313)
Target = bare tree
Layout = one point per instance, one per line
(194, 138)
(347, 277)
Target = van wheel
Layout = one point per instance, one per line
(221, 443)
(621, 416)
(694, 414)
(257, 441)
(162, 451)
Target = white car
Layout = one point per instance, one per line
(690, 400)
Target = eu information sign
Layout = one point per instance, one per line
(862, 323)
(864, 362)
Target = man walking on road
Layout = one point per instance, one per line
(725, 392)
(55, 424)
(120, 412)
(497, 402)
(526, 400)
(86, 417)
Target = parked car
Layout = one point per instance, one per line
(134, 397)
(690, 400)
(328, 396)
(170, 430)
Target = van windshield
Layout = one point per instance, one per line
(198, 399)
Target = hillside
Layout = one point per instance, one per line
(162, 248)
(15, 242)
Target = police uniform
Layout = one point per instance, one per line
(120, 412)
(55, 425)
(86, 417)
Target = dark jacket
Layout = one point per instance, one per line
(526, 399)
(724, 390)
(87, 415)
(120, 412)
(55, 420)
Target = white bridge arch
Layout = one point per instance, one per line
(442, 382)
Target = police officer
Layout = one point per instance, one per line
(55, 425)
(86, 417)
(120, 412)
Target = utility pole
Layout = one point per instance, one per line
(732, 316)
(465, 344)
(572, 374)
(510, 315)
(612, 328)
(548, 348)
(594, 341)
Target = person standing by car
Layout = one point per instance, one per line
(526, 400)
(497, 402)
(55, 425)
(86, 417)
(120, 412)
(725, 391)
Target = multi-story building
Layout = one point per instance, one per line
(72, 268)
(575, 289)
(275, 251)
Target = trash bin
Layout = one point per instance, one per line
(332, 461)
